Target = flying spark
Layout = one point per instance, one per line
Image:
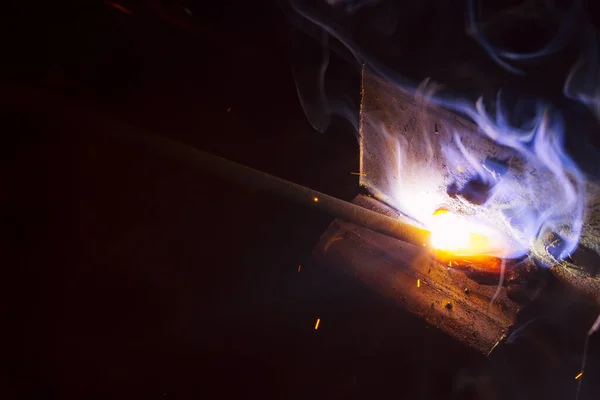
(119, 7)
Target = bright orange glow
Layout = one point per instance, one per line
(451, 234)
(579, 375)
(460, 243)
(418, 283)
(315, 199)
(317, 324)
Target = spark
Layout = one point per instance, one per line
(229, 109)
(117, 6)
(330, 241)
(317, 323)
(418, 283)
(579, 375)
(459, 168)
(299, 266)
(592, 330)
(316, 199)
(357, 173)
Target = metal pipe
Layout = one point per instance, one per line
(227, 169)
(247, 176)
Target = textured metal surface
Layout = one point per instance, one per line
(404, 138)
(444, 297)
(582, 269)
(410, 156)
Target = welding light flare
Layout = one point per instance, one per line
(458, 236)
(413, 177)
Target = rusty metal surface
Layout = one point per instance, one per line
(581, 270)
(409, 157)
(444, 297)
(404, 137)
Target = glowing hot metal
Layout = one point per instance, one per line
(452, 235)
(464, 244)
(496, 178)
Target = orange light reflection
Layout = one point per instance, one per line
(461, 244)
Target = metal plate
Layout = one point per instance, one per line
(444, 297)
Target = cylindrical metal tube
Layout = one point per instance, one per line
(251, 177)
(227, 169)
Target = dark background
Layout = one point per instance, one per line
(128, 276)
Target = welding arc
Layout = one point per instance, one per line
(247, 176)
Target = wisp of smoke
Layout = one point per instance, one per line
(513, 174)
